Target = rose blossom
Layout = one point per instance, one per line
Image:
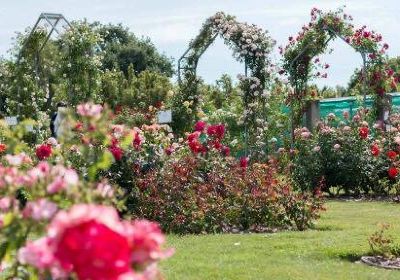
(391, 154)
(363, 132)
(316, 149)
(40, 210)
(200, 126)
(5, 203)
(244, 162)
(393, 172)
(375, 151)
(346, 128)
(16, 160)
(43, 151)
(305, 134)
(64, 178)
(89, 110)
(37, 253)
(93, 242)
(336, 146)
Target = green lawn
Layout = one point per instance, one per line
(328, 252)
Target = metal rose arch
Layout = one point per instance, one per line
(300, 58)
(250, 45)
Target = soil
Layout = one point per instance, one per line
(382, 262)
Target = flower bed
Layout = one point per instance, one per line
(350, 155)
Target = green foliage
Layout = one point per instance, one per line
(382, 244)
(122, 48)
(194, 195)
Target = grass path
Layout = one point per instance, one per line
(328, 252)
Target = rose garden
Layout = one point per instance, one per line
(115, 164)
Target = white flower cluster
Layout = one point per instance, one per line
(245, 39)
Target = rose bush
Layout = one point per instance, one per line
(53, 199)
(200, 188)
(352, 156)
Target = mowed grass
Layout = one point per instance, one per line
(330, 251)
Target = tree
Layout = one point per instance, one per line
(122, 48)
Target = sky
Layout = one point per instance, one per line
(172, 24)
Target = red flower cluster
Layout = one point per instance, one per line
(3, 148)
(393, 172)
(244, 162)
(363, 132)
(92, 242)
(105, 254)
(200, 126)
(137, 141)
(217, 131)
(43, 151)
(194, 143)
(116, 150)
(375, 151)
(206, 137)
(391, 155)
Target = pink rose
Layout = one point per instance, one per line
(40, 210)
(89, 110)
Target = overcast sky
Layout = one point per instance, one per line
(172, 24)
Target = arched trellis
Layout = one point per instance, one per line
(251, 45)
(53, 23)
(313, 40)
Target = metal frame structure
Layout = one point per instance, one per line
(53, 20)
(332, 35)
(181, 69)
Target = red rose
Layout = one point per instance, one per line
(375, 150)
(193, 136)
(78, 126)
(363, 132)
(169, 150)
(226, 151)
(393, 172)
(216, 144)
(117, 152)
(43, 151)
(200, 126)
(3, 148)
(94, 251)
(137, 142)
(217, 131)
(196, 147)
(244, 162)
(391, 154)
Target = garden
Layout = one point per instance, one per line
(118, 163)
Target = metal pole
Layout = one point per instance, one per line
(246, 132)
(364, 77)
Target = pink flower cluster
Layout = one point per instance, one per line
(55, 178)
(92, 242)
(89, 110)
